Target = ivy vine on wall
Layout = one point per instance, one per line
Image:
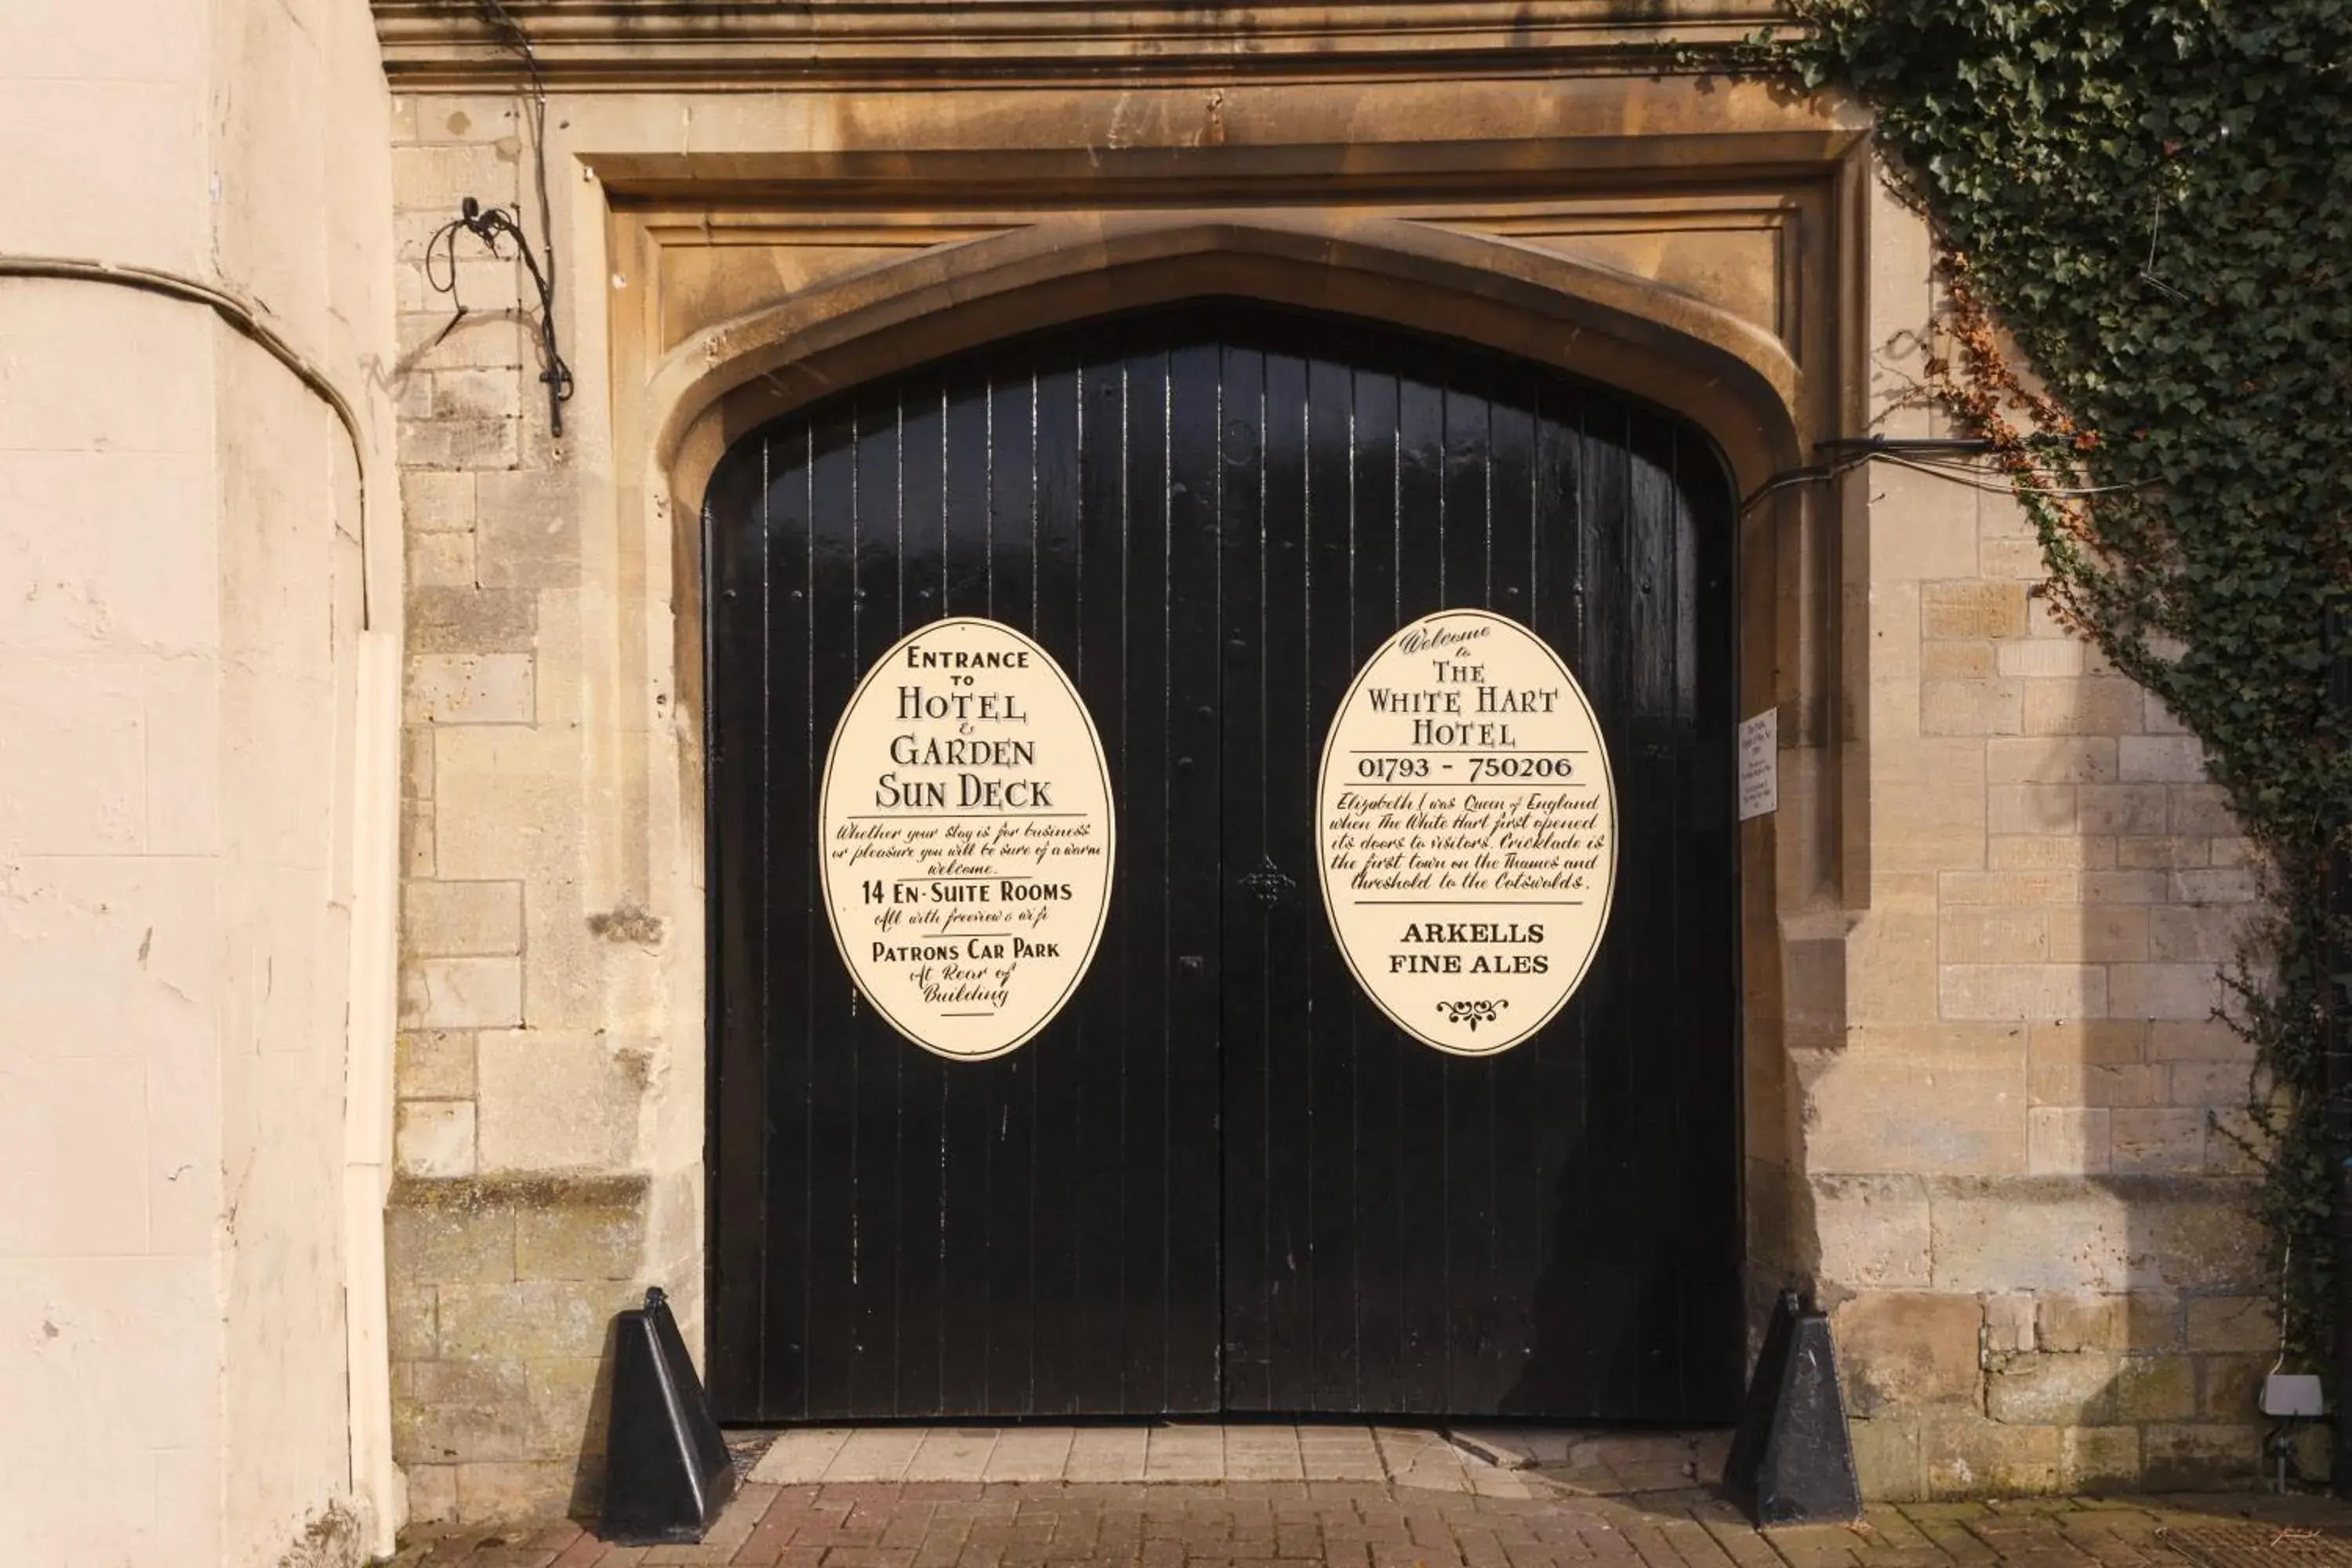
(2153, 199)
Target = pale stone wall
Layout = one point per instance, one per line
(520, 1224)
(181, 597)
(2023, 1156)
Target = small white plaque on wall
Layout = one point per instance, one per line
(1759, 764)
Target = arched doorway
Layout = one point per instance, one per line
(1220, 1179)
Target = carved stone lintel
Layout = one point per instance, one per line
(656, 43)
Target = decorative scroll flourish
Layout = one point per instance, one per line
(1473, 1012)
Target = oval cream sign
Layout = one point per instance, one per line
(966, 837)
(1466, 828)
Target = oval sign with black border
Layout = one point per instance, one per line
(966, 837)
(1466, 831)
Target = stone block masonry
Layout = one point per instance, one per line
(1990, 1118)
(2107, 1362)
(2027, 1157)
(519, 1221)
(504, 1292)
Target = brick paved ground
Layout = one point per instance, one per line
(1343, 1524)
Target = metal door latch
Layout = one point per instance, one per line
(1268, 883)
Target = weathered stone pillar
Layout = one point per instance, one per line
(198, 530)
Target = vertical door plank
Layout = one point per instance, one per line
(1148, 809)
(923, 1301)
(795, 940)
(1467, 1136)
(1195, 1288)
(1244, 1005)
(1619, 1255)
(834, 1130)
(878, 1068)
(970, 1092)
(1559, 1375)
(1715, 1333)
(1012, 1239)
(1332, 1195)
(1112, 1019)
(1289, 919)
(1056, 1056)
(1379, 1050)
(1648, 822)
(1424, 1075)
(735, 554)
(1526, 1139)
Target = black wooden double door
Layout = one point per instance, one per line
(1220, 1180)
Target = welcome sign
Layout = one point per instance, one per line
(1466, 831)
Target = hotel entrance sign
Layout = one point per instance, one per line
(1466, 830)
(965, 837)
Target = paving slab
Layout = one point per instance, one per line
(1176, 1452)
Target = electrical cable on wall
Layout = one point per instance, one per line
(1943, 457)
(247, 320)
(490, 224)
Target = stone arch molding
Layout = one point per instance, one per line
(1736, 380)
